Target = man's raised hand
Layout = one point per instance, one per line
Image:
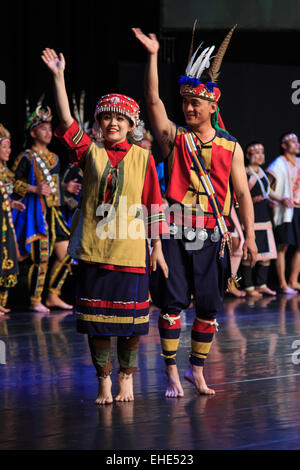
(150, 42)
(55, 63)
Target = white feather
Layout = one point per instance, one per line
(197, 63)
(205, 62)
(187, 70)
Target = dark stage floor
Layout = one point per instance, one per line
(48, 386)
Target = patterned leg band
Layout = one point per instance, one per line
(169, 329)
(127, 353)
(58, 277)
(100, 353)
(37, 271)
(202, 337)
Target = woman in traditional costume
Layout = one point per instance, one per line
(8, 250)
(107, 238)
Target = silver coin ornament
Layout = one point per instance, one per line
(202, 234)
(190, 235)
(215, 236)
(173, 229)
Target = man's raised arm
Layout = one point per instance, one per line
(164, 130)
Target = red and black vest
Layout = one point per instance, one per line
(184, 185)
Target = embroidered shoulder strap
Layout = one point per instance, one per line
(200, 169)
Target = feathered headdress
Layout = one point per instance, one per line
(38, 116)
(192, 82)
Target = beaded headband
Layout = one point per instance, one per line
(121, 104)
(255, 147)
(288, 137)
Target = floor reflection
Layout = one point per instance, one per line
(48, 385)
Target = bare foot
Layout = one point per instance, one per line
(236, 292)
(266, 290)
(104, 391)
(294, 285)
(125, 388)
(39, 307)
(174, 388)
(194, 374)
(3, 310)
(254, 294)
(54, 301)
(287, 290)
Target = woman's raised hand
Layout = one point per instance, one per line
(55, 63)
(150, 42)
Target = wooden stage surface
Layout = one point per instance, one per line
(48, 385)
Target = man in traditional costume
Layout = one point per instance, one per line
(284, 177)
(201, 157)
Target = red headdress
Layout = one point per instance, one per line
(121, 104)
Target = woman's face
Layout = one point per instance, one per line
(115, 127)
(5, 151)
(256, 156)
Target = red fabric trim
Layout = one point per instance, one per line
(201, 327)
(167, 326)
(112, 305)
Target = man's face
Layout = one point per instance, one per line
(197, 111)
(291, 145)
(42, 133)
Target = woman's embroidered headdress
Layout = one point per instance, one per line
(4, 134)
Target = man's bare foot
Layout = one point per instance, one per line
(194, 374)
(104, 391)
(125, 388)
(254, 294)
(174, 387)
(39, 307)
(266, 290)
(54, 301)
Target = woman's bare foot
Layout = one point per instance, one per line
(194, 374)
(104, 391)
(254, 294)
(287, 290)
(39, 307)
(236, 292)
(2, 312)
(266, 290)
(125, 388)
(294, 285)
(54, 301)
(174, 387)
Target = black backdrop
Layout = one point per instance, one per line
(102, 55)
